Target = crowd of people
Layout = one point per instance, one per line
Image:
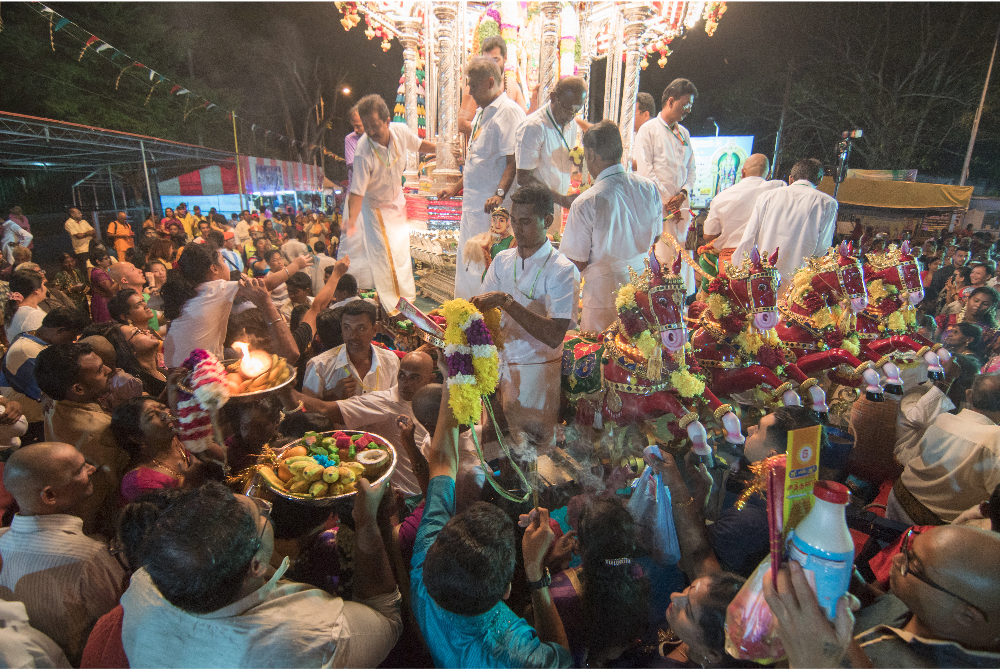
(123, 545)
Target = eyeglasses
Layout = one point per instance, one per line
(905, 569)
(264, 507)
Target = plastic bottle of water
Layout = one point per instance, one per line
(821, 543)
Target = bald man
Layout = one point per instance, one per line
(942, 611)
(126, 275)
(65, 579)
(377, 412)
(731, 209)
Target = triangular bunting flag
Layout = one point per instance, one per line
(86, 46)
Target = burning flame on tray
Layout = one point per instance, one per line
(253, 363)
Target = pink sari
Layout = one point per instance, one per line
(142, 480)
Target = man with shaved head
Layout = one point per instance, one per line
(377, 412)
(942, 611)
(65, 579)
(730, 209)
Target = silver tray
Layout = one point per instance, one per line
(252, 394)
(259, 485)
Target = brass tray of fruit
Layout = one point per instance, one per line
(322, 469)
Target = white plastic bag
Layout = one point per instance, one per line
(650, 507)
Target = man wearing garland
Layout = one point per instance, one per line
(610, 227)
(376, 199)
(662, 151)
(535, 286)
(489, 166)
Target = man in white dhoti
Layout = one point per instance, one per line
(798, 219)
(376, 197)
(489, 166)
(536, 288)
(662, 151)
(544, 141)
(610, 227)
(731, 209)
(353, 245)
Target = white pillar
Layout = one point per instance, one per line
(548, 59)
(409, 37)
(583, 39)
(636, 15)
(447, 169)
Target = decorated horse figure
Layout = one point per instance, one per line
(819, 315)
(889, 323)
(736, 344)
(645, 370)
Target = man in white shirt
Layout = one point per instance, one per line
(645, 109)
(377, 412)
(662, 151)
(610, 227)
(355, 367)
(80, 233)
(799, 220)
(205, 595)
(536, 287)
(13, 235)
(232, 257)
(731, 209)
(242, 229)
(294, 247)
(489, 165)
(317, 272)
(376, 200)
(66, 580)
(958, 464)
(544, 141)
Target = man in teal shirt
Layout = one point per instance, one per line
(462, 568)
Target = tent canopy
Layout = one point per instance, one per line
(260, 175)
(899, 194)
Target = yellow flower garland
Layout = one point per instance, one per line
(646, 344)
(466, 391)
(625, 297)
(687, 384)
(719, 306)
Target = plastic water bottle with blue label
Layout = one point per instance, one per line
(822, 544)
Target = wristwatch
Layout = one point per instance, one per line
(685, 192)
(500, 192)
(542, 583)
(508, 299)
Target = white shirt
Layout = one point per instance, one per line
(666, 159)
(13, 233)
(23, 646)
(799, 220)
(918, 409)
(282, 624)
(958, 464)
(544, 147)
(292, 249)
(378, 170)
(242, 230)
(286, 309)
(324, 371)
(611, 226)
(731, 209)
(202, 323)
(25, 320)
(376, 412)
(547, 284)
(344, 302)
(316, 271)
(66, 580)
(493, 132)
(74, 227)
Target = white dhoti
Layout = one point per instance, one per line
(469, 278)
(601, 282)
(353, 244)
(529, 394)
(679, 229)
(387, 247)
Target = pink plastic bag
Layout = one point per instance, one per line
(751, 632)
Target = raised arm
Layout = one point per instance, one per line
(442, 460)
(282, 341)
(275, 279)
(325, 295)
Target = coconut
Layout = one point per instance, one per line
(375, 462)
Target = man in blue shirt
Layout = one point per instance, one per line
(462, 567)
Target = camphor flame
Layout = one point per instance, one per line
(253, 363)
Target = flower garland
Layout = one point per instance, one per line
(687, 384)
(473, 362)
(626, 297)
(719, 306)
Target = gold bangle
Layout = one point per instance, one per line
(687, 419)
(807, 384)
(722, 409)
(685, 503)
